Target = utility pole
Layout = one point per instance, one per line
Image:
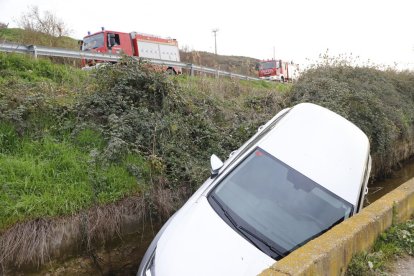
(215, 40)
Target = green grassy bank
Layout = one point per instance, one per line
(69, 140)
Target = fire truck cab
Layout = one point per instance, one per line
(133, 44)
(277, 70)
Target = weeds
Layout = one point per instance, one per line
(48, 178)
(396, 241)
(20, 68)
(138, 110)
(31, 37)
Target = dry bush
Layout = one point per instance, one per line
(42, 28)
(38, 241)
(46, 23)
(165, 200)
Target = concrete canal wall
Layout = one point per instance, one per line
(331, 253)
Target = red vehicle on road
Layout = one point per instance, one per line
(277, 70)
(133, 44)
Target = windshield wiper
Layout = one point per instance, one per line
(246, 233)
(273, 249)
(228, 216)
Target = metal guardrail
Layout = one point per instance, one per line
(60, 52)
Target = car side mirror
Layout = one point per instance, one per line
(216, 165)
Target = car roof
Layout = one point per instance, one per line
(323, 146)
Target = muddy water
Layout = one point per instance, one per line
(379, 188)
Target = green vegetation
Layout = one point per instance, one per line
(12, 34)
(21, 68)
(18, 35)
(71, 140)
(45, 177)
(48, 165)
(178, 123)
(395, 242)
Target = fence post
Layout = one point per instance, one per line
(191, 70)
(33, 50)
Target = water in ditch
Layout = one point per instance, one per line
(399, 176)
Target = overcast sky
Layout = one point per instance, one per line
(378, 30)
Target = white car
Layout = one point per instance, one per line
(302, 173)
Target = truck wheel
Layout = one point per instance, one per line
(282, 79)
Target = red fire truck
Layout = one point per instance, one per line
(133, 44)
(277, 70)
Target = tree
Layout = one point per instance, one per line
(47, 23)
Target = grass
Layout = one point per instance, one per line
(47, 177)
(395, 242)
(18, 35)
(18, 67)
(11, 34)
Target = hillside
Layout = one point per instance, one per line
(234, 64)
(27, 37)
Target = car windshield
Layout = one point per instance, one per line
(274, 206)
(93, 42)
